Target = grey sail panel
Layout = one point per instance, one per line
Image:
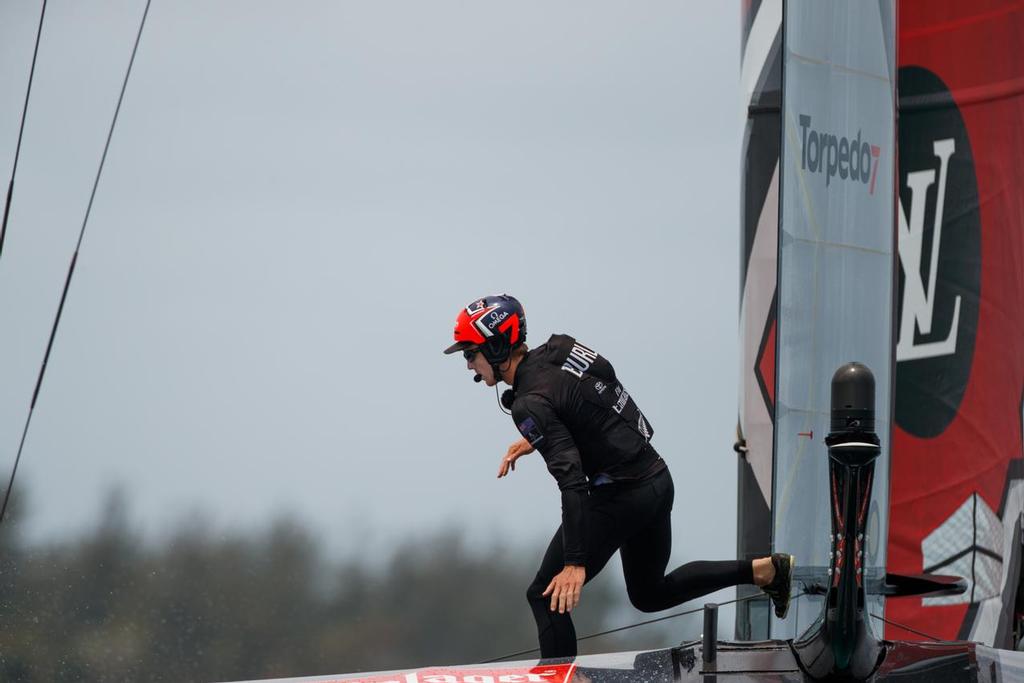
(836, 261)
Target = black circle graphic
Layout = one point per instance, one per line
(929, 388)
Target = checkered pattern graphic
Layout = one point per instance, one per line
(968, 544)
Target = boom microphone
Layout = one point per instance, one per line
(478, 377)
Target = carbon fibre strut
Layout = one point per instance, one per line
(845, 646)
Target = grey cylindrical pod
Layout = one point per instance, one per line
(853, 399)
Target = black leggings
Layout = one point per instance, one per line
(635, 520)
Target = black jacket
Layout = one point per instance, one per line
(569, 404)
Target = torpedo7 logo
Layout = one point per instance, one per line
(850, 158)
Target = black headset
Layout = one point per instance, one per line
(496, 350)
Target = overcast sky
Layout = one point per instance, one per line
(299, 198)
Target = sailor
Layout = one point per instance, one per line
(568, 403)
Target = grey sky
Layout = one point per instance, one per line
(298, 199)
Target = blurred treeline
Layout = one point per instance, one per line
(206, 605)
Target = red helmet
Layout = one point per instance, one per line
(494, 324)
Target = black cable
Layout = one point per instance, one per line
(71, 267)
(906, 628)
(113, 122)
(642, 623)
(21, 130)
(694, 611)
(500, 404)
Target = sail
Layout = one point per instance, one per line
(836, 264)
(817, 270)
(957, 468)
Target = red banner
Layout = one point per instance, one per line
(956, 457)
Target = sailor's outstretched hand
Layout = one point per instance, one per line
(565, 588)
(515, 451)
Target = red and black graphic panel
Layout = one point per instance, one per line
(765, 368)
(956, 488)
(761, 79)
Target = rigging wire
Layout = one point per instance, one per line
(21, 130)
(906, 628)
(71, 267)
(641, 623)
(695, 611)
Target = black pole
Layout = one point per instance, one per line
(710, 639)
(845, 645)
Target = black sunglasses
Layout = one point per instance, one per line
(470, 354)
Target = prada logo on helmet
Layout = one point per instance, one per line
(579, 360)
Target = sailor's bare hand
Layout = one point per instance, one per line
(565, 588)
(515, 451)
